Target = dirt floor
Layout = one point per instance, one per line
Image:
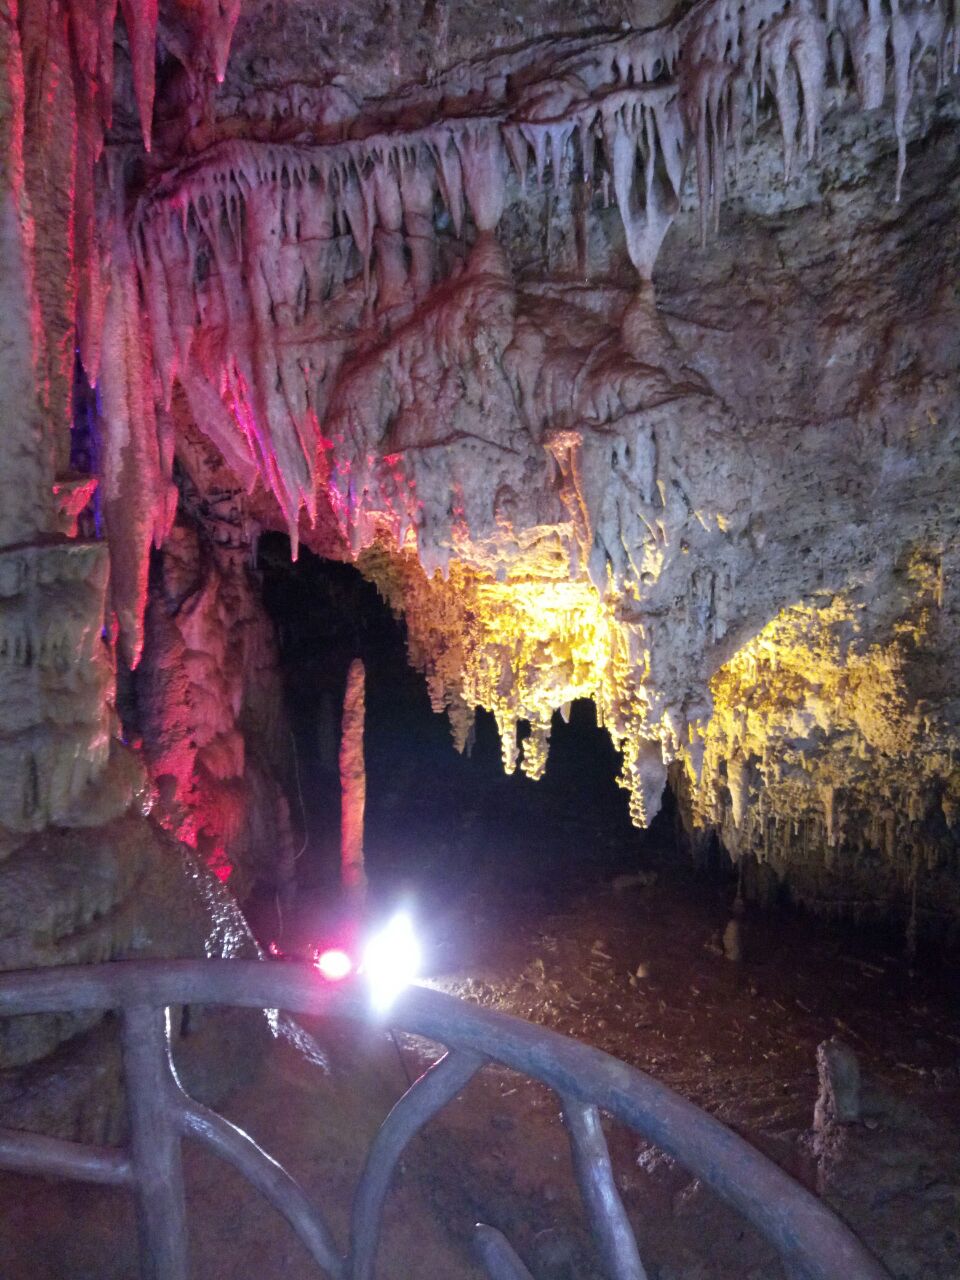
(539, 900)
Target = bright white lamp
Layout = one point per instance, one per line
(391, 960)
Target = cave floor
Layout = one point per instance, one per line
(739, 1039)
(541, 908)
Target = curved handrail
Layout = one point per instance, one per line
(425, 1097)
(809, 1238)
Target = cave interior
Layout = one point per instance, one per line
(498, 463)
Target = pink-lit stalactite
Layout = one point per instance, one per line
(139, 498)
(140, 17)
(353, 781)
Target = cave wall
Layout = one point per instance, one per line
(207, 702)
(86, 873)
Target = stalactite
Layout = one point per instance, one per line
(274, 279)
(796, 682)
(140, 18)
(139, 503)
(272, 220)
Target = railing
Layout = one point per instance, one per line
(811, 1241)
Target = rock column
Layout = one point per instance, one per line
(353, 781)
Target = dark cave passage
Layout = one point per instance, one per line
(436, 821)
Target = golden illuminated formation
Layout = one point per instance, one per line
(524, 648)
(814, 750)
(817, 753)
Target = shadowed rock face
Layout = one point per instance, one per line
(602, 346)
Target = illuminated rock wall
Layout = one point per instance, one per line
(831, 756)
(207, 704)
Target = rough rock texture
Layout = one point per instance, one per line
(83, 895)
(57, 684)
(206, 699)
(84, 873)
(838, 1098)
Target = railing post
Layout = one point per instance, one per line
(497, 1254)
(154, 1143)
(608, 1218)
(425, 1097)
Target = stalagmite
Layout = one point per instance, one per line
(282, 226)
(353, 781)
(838, 1098)
(866, 35)
(732, 942)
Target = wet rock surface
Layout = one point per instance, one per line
(84, 896)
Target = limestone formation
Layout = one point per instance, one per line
(353, 780)
(570, 485)
(838, 1099)
(207, 701)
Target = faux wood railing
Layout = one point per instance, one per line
(810, 1239)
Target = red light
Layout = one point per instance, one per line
(333, 964)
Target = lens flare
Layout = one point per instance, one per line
(391, 960)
